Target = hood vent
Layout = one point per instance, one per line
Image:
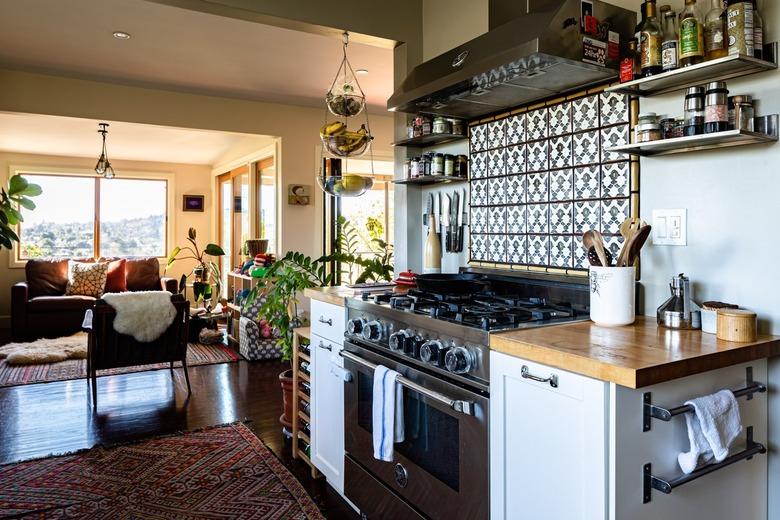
(532, 57)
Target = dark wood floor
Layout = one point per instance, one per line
(53, 418)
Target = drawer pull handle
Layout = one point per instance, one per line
(553, 379)
(328, 322)
(323, 346)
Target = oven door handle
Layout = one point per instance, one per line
(464, 407)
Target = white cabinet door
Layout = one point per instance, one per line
(548, 445)
(328, 410)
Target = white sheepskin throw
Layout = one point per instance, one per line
(46, 350)
(145, 315)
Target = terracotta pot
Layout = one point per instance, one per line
(286, 379)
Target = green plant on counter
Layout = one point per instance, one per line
(204, 271)
(376, 268)
(279, 288)
(18, 193)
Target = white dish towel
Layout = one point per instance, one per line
(712, 429)
(387, 413)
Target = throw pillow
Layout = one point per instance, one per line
(86, 279)
(115, 276)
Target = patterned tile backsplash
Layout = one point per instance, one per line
(542, 178)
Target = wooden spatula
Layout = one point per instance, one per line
(638, 240)
(594, 239)
(627, 229)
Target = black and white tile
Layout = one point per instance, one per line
(587, 216)
(497, 249)
(561, 220)
(515, 159)
(587, 182)
(586, 148)
(479, 192)
(515, 219)
(536, 124)
(560, 152)
(538, 218)
(479, 247)
(497, 191)
(516, 191)
(479, 165)
(478, 136)
(585, 113)
(614, 136)
(614, 109)
(561, 251)
(537, 156)
(479, 220)
(613, 213)
(496, 162)
(516, 249)
(496, 137)
(615, 179)
(515, 130)
(497, 220)
(561, 184)
(559, 119)
(539, 250)
(538, 187)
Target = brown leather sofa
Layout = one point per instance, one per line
(39, 307)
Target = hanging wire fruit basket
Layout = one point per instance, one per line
(345, 99)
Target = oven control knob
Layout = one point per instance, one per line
(355, 326)
(398, 340)
(429, 351)
(372, 331)
(460, 360)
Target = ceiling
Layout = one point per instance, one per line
(73, 137)
(184, 50)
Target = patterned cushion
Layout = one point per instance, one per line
(86, 279)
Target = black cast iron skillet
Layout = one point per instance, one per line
(451, 284)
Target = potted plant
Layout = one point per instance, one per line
(17, 194)
(204, 271)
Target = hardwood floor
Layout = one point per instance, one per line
(53, 418)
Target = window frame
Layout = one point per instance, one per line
(15, 260)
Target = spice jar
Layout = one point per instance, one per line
(458, 126)
(461, 166)
(442, 126)
(437, 165)
(449, 165)
(679, 127)
(414, 167)
(425, 164)
(423, 125)
(411, 128)
(667, 128)
(744, 112)
(648, 132)
(716, 108)
(694, 111)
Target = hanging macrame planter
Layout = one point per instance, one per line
(344, 100)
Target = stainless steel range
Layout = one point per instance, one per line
(438, 342)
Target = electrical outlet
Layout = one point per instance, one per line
(670, 227)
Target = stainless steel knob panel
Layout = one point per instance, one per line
(355, 326)
(372, 331)
(429, 351)
(460, 360)
(397, 341)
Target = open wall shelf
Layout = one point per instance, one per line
(430, 179)
(720, 69)
(430, 140)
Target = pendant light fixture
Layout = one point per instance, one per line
(103, 166)
(344, 101)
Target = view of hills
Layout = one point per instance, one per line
(129, 237)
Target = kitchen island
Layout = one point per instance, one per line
(586, 424)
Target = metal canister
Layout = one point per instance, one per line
(449, 165)
(442, 125)
(461, 166)
(425, 163)
(667, 128)
(744, 112)
(437, 165)
(694, 111)
(716, 108)
(458, 126)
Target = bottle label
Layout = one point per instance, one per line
(714, 37)
(626, 69)
(669, 55)
(740, 28)
(650, 50)
(691, 36)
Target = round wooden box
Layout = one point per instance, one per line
(737, 325)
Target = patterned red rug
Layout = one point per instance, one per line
(219, 473)
(197, 354)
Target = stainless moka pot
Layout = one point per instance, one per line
(680, 311)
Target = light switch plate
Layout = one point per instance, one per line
(670, 227)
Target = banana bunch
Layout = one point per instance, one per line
(347, 141)
(353, 140)
(330, 129)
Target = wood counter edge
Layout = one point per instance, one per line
(333, 295)
(635, 378)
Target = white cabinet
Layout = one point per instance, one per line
(327, 403)
(548, 450)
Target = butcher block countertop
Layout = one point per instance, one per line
(335, 295)
(634, 356)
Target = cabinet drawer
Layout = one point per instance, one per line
(327, 320)
(325, 345)
(567, 383)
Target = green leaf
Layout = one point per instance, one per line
(26, 203)
(192, 234)
(172, 256)
(213, 250)
(14, 217)
(5, 241)
(3, 217)
(17, 184)
(32, 190)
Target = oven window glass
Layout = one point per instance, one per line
(431, 437)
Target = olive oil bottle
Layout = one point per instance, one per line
(650, 40)
(715, 39)
(691, 36)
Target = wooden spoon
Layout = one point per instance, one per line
(594, 239)
(637, 242)
(627, 229)
(593, 257)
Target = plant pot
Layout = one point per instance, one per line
(286, 379)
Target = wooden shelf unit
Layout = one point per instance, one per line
(298, 451)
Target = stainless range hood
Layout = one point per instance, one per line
(533, 56)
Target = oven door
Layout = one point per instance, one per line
(441, 468)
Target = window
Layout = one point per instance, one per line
(79, 216)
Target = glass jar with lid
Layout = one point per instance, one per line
(694, 111)
(716, 108)
(449, 165)
(437, 165)
(442, 125)
(744, 112)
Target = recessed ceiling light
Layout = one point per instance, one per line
(361, 71)
(121, 35)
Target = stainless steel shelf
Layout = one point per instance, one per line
(694, 143)
(430, 140)
(715, 70)
(430, 179)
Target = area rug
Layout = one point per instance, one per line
(220, 473)
(197, 354)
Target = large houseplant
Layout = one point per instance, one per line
(205, 270)
(18, 192)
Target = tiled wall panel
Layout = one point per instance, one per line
(542, 178)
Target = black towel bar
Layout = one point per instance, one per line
(665, 414)
(666, 486)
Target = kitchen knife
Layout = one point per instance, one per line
(428, 210)
(437, 211)
(445, 222)
(461, 222)
(454, 222)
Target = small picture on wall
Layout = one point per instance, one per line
(193, 203)
(298, 194)
(237, 204)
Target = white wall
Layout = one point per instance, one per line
(448, 23)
